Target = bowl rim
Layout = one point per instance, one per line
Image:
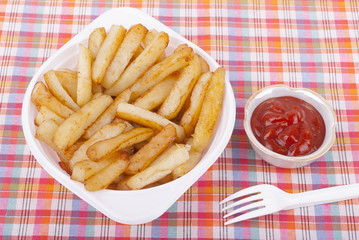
(310, 93)
(175, 188)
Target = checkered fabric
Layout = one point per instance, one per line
(311, 44)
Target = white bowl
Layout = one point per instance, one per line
(129, 207)
(313, 98)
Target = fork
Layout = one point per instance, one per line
(265, 199)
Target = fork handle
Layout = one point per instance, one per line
(321, 196)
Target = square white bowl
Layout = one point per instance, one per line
(128, 207)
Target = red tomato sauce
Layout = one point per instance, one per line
(288, 126)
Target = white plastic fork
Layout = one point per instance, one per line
(265, 199)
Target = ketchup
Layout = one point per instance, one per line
(288, 126)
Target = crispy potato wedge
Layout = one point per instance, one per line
(86, 168)
(161, 169)
(74, 126)
(128, 48)
(179, 59)
(147, 118)
(149, 152)
(46, 114)
(194, 158)
(149, 38)
(139, 66)
(108, 115)
(68, 80)
(95, 40)
(211, 108)
(104, 148)
(155, 96)
(182, 88)
(58, 91)
(108, 131)
(191, 115)
(41, 96)
(107, 52)
(107, 175)
(84, 80)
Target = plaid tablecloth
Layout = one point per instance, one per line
(312, 44)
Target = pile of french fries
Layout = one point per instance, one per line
(129, 117)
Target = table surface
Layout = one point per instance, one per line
(311, 44)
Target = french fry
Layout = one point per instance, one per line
(41, 96)
(58, 91)
(138, 67)
(106, 52)
(155, 96)
(147, 118)
(86, 168)
(46, 114)
(68, 80)
(159, 170)
(95, 40)
(107, 175)
(108, 131)
(149, 38)
(130, 45)
(104, 148)
(74, 126)
(45, 132)
(84, 80)
(194, 158)
(108, 115)
(211, 108)
(191, 115)
(122, 184)
(204, 65)
(182, 88)
(179, 59)
(149, 152)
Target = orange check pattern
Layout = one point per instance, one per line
(312, 44)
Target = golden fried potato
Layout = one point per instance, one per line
(108, 131)
(58, 91)
(46, 114)
(176, 61)
(155, 96)
(86, 168)
(107, 52)
(191, 115)
(107, 175)
(74, 126)
(204, 65)
(182, 88)
(95, 40)
(139, 66)
(128, 48)
(103, 148)
(108, 115)
(194, 158)
(41, 96)
(84, 80)
(149, 38)
(147, 118)
(178, 155)
(68, 80)
(149, 152)
(211, 108)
